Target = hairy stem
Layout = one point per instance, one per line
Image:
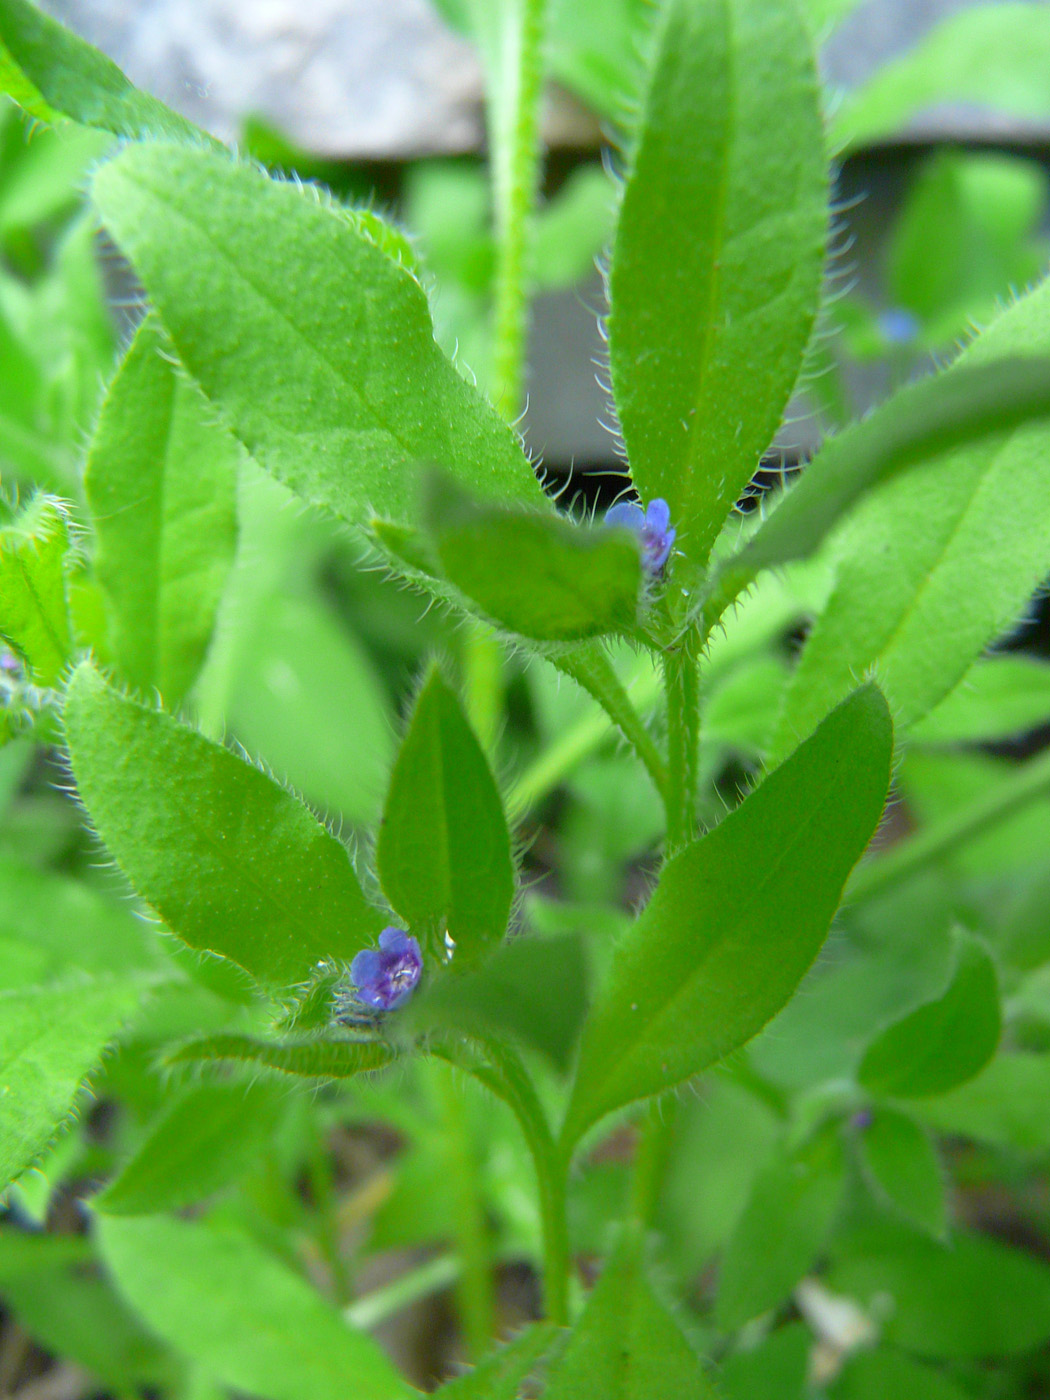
(683, 741)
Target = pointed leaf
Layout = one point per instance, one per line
(230, 861)
(999, 697)
(538, 575)
(51, 1036)
(34, 616)
(501, 1375)
(718, 256)
(203, 1140)
(161, 484)
(252, 1323)
(305, 1059)
(444, 849)
(902, 1164)
(314, 344)
(932, 536)
(723, 944)
(944, 1042)
(627, 1345)
(782, 1230)
(52, 72)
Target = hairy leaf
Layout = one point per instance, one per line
(314, 344)
(52, 72)
(232, 862)
(724, 940)
(718, 256)
(161, 486)
(34, 615)
(444, 849)
(501, 1375)
(305, 1059)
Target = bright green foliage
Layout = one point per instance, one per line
(536, 575)
(913, 551)
(204, 1139)
(315, 345)
(220, 1299)
(1004, 1105)
(514, 994)
(877, 1375)
(973, 1297)
(922, 421)
(996, 699)
(501, 1375)
(788, 1216)
(905, 1170)
(773, 1370)
(992, 55)
(627, 1345)
(444, 849)
(722, 944)
(944, 1042)
(51, 1037)
(304, 1059)
(34, 616)
(161, 485)
(718, 255)
(231, 862)
(52, 72)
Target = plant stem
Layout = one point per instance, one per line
(941, 838)
(475, 1290)
(578, 742)
(483, 682)
(515, 71)
(392, 1298)
(650, 1161)
(683, 740)
(591, 668)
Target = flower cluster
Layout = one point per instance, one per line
(653, 528)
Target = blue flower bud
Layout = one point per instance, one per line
(653, 528)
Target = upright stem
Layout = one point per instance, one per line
(683, 742)
(655, 1136)
(516, 87)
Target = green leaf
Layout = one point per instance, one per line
(444, 850)
(788, 1216)
(51, 71)
(304, 1059)
(501, 1375)
(902, 1164)
(944, 1042)
(33, 612)
(998, 698)
(314, 344)
(537, 575)
(252, 1323)
(718, 256)
(923, 420)
(230, 861)
(534, 989)
(989, 55)
(1005, 1105)
(879, 1374)
(973, 1298)
(722, 944)
(627, 1345)
(51, 1037)
(775, 1369)
(910, 551)
(203, 1140)
(161, 486)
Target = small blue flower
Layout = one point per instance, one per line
(653, 528)
(386, 977)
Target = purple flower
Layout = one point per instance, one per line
(652, 526)
(386, 977)
(898, 325)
